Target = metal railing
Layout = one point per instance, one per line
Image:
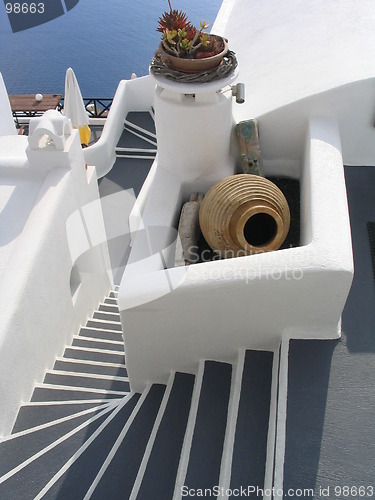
(95, 107)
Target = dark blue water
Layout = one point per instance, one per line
(104, 41)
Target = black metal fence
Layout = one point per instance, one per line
(95, 107)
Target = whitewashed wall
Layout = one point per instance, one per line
(49, 223)
(7, 126)
(175, 317)
(298, 58)
(295, 49)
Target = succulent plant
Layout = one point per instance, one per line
(173, 20)
(179, 36)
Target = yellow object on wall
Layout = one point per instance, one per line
(84, 134)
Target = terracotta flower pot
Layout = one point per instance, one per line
(200, 65)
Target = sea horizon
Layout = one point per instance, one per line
(104, 42)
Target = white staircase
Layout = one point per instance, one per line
(138, 141)
(84, 434)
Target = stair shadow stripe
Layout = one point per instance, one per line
(89, 369)
(252, 421)
(52, 445)
(27, 483)
(118, 472)
(87, 382)
(33, 415)
(51, 423)
(161, 469)
(208, 439)
(131, 401)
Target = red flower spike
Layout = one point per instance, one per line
(173, 20)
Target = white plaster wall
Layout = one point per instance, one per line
(175, 317)
(19, 190)
(37, 313)
(131, 95)
(294, 49)
(7, 126)
(299, 58)
(194, 135)
(13, 150)
(282, 130)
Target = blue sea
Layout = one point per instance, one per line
(104, 41)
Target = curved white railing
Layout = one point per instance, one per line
(131, 95)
